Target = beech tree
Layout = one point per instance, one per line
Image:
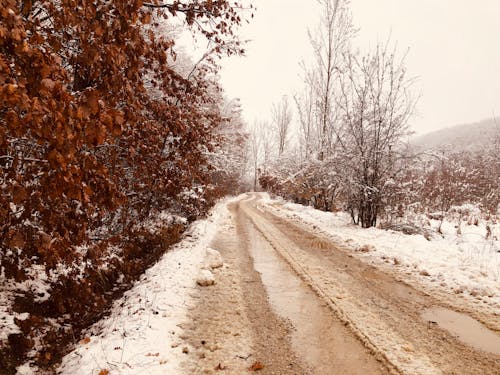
(78, 127)
(99, 131)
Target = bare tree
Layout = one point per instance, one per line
(329, 43)
(230, 159)
(353, 114)
(267, 142)
(282, 118)
(255, 146)
(305, 109)
(376, 103)
(260, 148)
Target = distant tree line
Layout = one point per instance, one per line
(353, 151)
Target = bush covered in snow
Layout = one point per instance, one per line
(462, 187)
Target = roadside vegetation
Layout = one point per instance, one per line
(111, 142)
(351, 149)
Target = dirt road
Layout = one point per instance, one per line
(289, 301)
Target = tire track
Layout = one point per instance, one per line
(390, 326)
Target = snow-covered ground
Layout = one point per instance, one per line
(142, 333)
(466, 265)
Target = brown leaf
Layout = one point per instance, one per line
(56, 160)
(20, 194)
(146, 18)
(257, 366)
(16, 35)
(86, 193)
(48, 84)
(106, 119)
(82, 112)
(104, 372)
(85, 340)
(99, 30)
(44, 69)
(45, 240)
(93, 102)
(100, 134)
(119, 119)
(17, 240)
(10, 88)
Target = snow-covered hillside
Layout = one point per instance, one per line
(469, 137)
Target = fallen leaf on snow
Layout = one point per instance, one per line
(84, 341)
(257, 366)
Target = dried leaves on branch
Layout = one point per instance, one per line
(99, 131)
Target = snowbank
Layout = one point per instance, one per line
(205, 278)
(141, 335)
(213, 259)
(467, 265)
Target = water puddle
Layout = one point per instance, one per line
(464, 328)
(325, 345)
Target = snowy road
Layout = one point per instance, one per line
(297, 303)
(288, 300)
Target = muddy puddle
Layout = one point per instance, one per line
(323, 343)
(464, 328)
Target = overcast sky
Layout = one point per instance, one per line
(454, 51)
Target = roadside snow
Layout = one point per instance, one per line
(7, 324)
(467, 265)
(37, 284)
(142, 333)
(205, 278)
(213, 259)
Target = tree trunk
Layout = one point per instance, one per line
(368, 214)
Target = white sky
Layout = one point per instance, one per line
(454, 52)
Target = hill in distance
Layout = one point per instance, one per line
(466, 137)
